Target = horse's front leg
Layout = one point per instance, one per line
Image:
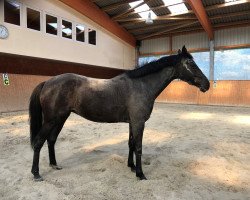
(137, 130)
(131, 145)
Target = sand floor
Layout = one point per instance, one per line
(189, 152)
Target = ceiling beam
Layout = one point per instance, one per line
(158, 19)
(159, 26)
(117, 5)
(92, 11)
(146, 36)
(201, 14)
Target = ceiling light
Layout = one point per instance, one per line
(149, 19)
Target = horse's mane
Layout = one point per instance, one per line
(153, 66)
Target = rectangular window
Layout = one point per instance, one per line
(232, 64)
(33, 19)
(51, 24)
(202, 60)
(12, 12)
(92, 36)
(80, 33)
(148, 59)
(66, 29)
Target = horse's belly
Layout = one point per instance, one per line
(111, 114)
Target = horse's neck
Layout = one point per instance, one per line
(157, 82)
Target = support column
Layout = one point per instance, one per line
(171, 44)
(211, 55)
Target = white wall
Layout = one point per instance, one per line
(110, 51)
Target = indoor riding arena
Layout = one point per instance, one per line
(151, 99)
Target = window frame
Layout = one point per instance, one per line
(58, 24)
(85, 34)
(26, 18)
(61, 28)
(21, 13)
(89, 27)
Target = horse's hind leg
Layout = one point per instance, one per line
(51, 143)
(47, 127)
(131, 145)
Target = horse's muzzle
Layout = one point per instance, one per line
(205, 86)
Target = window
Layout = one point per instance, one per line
(202, 60)
(92, 36)
(232, 64)
(51, 25)
(66, 29)
(80, 33)
(141, 10)
(33, 19)
(148, 59)
(12, 12)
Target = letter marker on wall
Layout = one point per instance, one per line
(6, 80)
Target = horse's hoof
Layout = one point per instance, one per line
(38, 178)
(141, 176)
(56, 167)
(132, 167)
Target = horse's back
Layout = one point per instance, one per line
(102, 100)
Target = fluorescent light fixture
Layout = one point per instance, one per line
(140, 10)
(226, 1)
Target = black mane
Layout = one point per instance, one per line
(153, 66)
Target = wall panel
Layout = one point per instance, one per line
(227, 93)
(232, 36)
(192, 41)
(155, 45)
(16, 96)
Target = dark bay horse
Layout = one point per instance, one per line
(128, 97)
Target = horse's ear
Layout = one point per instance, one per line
(184, 50)
(179, 51)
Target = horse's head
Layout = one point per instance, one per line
(190, 72)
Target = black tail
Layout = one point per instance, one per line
(35, 113)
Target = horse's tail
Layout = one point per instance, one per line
(35, 113)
